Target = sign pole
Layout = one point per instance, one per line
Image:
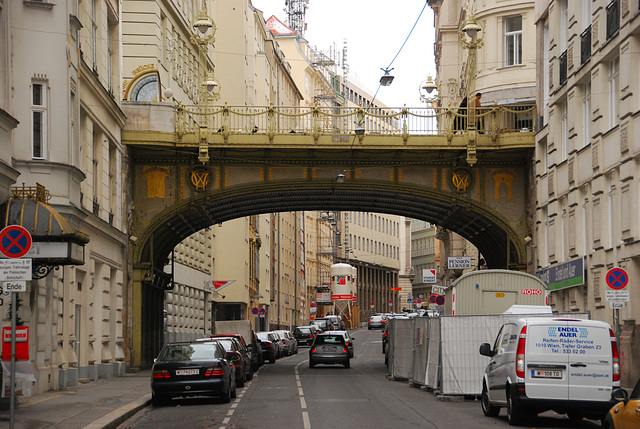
(12, 380)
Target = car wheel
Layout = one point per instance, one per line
(272, 359)
(347, 364)
(250, 375)
(226, 396)
(311, 364)
(369, 328)
(488, 409)
(157, 400)
(240, 382)
(234, 391)
(514, 413)
(575, 417)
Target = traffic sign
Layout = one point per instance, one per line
(15, 286)
(418, 301)
(440, 300)
(617, 295)
(616, 305)
(617, 278)
(433, 298)
(15, 241)
(255, 310)
(263, 311)
(313, 304)
(16, 269)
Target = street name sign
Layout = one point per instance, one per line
(428, 276)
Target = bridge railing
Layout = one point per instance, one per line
(349, 120)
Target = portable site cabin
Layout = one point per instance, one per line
(494, 292)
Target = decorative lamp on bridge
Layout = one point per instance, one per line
(429, 91)
(387, 78)
(203, 35)
(470, 37)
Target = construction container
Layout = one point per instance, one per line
(494, 292)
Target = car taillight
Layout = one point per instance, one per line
(369, 321)
(267, 345)
(313, 350)
(520, 353)
(615, 356)
(345, 350)
(214, 372)
(162, 373)
(284, 342)
(310, 335)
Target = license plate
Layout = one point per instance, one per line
(187, 371)
(546, 373)
(329, 349)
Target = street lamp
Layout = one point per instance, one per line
(470, 36)
(203, 35)
(387, 78)
(427, 89)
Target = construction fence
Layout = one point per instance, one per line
(442, 353)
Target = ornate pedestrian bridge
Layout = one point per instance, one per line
(467, 171)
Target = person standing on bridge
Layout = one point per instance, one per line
(460, 121)
(476, 112)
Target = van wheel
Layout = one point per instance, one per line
(488, 409)
(514, 413)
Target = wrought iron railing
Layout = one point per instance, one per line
(563, 68)
(585, 45)
(613, 18)
(228, 120)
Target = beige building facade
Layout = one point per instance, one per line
(587, 160)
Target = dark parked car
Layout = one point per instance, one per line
(329, 349)
(321, 324)
(241, 361)
(244, 349)
(185, 369)
(305, 334)
(269, 346)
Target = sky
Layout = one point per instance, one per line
(375, 31)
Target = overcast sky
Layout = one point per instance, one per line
(375, 31)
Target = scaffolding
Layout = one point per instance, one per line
(296, 11)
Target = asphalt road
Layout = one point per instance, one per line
(289, 394)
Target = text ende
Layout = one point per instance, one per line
(568, 332)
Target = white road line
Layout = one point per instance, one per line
(303, 403)
(235, 404)
(230, 413)
(226, 420)
(305, 419)
(298, 383)
(300, 392)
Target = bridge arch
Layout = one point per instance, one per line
(501, 244)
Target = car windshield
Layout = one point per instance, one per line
(263, 336)
(227, 344)
(305, 331)
(320, 322)
(187, 352)
(330, 339)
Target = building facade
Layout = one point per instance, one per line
(587, 162)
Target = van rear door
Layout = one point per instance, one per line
(590, 370)
(546, 359)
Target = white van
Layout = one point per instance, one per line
(539, 364)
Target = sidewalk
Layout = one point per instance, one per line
(105, 403)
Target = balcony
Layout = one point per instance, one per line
(585, 45)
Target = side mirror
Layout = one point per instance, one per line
(620, 395)
(485, 350)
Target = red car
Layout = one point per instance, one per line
(245, 350)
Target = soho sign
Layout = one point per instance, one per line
(530, 292)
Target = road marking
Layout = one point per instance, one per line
(305, 419)
(303, 403)
(230, 413)
(300, 392)
(226, 420)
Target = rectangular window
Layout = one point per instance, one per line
(614, 91)
(39, 119)
(94, 35)
(586, 114)
(513, 40)
(564, 131)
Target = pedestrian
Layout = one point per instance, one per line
(460, 121)
(477, 105)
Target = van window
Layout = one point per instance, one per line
(496, 345)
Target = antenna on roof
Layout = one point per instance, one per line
(296, 10)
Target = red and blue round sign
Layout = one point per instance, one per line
(617, 278)
(255, 310)
(440, 300)
(15, 241)
(263, 311)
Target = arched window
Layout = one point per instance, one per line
(146, 89)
